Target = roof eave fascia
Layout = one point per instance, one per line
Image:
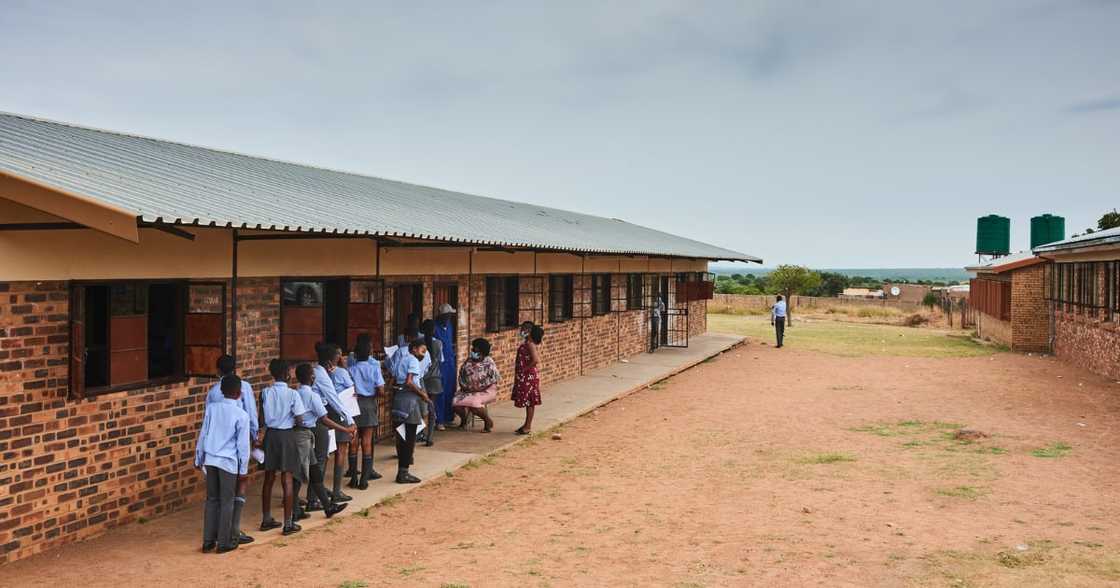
(76, 208)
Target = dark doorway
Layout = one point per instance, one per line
(408, 302)
(97, 336)
(336, 296)
(164, 330)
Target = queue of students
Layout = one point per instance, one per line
(295, 435)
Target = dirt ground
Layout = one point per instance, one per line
(761, 467)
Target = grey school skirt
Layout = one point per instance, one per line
(339, 436)
(407, 407)
(368, 406)
(287, 450)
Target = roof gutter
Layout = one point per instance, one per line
(87, 212)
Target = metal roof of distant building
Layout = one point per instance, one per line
(1105, 237)
(164, 181)
(1006, 263)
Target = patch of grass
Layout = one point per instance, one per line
(827, 458)
(389, 500)
(991, 451)
(450, 585)
(354, 584)
(410, 570)
(965, 492)
(141, 520)
(362, 513)
(854, 339)
(1054, 450)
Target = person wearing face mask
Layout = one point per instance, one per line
(527, 379)
(478, 385)
(408, 407)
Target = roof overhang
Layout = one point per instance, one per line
(87, 212)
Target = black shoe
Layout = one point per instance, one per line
(270, 524)
(301, 515)
(227, 548)
(243, 539)
(428, 442)
(373, 475)
(350, 473)
(208, 546)
(340, 497)
(362, 486)
(313, 506)
(407, 478)
(292, 529)
(334, 509)
(354, 484)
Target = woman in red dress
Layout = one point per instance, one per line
(526, 380)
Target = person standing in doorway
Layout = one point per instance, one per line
(445, 332)
(655, 323)
(527, 379)
(778, 319)
(433, 377)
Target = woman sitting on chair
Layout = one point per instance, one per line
(478, 385)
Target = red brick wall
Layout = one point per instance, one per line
(1088, 343)
(71, 469)
(1030, 321)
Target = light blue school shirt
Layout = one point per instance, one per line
(281, 406)
(341, 378)
(248, 403)
(409, 365)
(315, 409)
(324, 387)
(367, 376)
(779, 309)
(223, 442)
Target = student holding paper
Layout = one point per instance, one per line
(314, 426)
(343, 383)
(324, 387)
(409, 403)
(368, 384)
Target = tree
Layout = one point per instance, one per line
(931, 300)
(790, 280)
(1110, 220)
(832, 284)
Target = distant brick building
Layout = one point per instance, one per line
(1009, 298)
(130, 264)
(1083, 291)
(911, 293)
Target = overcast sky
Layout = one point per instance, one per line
(833, 134)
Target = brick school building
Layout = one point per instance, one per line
(128, 265)
(1008, 295)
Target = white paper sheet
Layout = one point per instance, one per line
(391, 351)
(350, 402)
(333, 445)
(257, 455)
(401, 431)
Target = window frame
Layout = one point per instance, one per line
(562, 310)
(634, 291)
(501, 292)
(89, 392)
(600, 294)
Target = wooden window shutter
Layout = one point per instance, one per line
(205, 328)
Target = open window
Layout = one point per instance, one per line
(125, 335)
(502, 298)
(559, 298)
(312, 311)
(634, 292)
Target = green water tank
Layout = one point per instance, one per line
(1047, 228)
(993, 235)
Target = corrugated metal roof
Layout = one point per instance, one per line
(176, 183)
(1105, 237)
(1007, 263)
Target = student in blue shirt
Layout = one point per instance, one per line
(368, 384)
(282, 406)
(409, 404)
(222, 452)
(314, 424)
(778, 319)
(342, 380)
(329, 355)
(248, 402)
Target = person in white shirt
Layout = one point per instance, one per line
(778, 319)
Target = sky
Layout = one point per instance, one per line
(830, 134)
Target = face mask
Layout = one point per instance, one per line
(475, 355)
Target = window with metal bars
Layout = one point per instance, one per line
(1088, 288)
(559, 298)
(501, 303)
(634, 291)
(600, 294)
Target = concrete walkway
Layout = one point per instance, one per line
(563, 402)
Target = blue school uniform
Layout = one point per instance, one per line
(407, 407)
(328, 395)
(223, 441)
(281, 406)
(315, 409)
(247, 401)
(367, 376)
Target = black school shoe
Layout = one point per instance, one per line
(270, 524)
(292, 529)
(244, 539)
(334, 509)
(340, 497)
(313, 506)
(208, 546)
(226, 548)
(407, 478)
(300, 515)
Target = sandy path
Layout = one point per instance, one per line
(723, 476)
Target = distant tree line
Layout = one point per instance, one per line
(825, 284)
(1109, 220)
